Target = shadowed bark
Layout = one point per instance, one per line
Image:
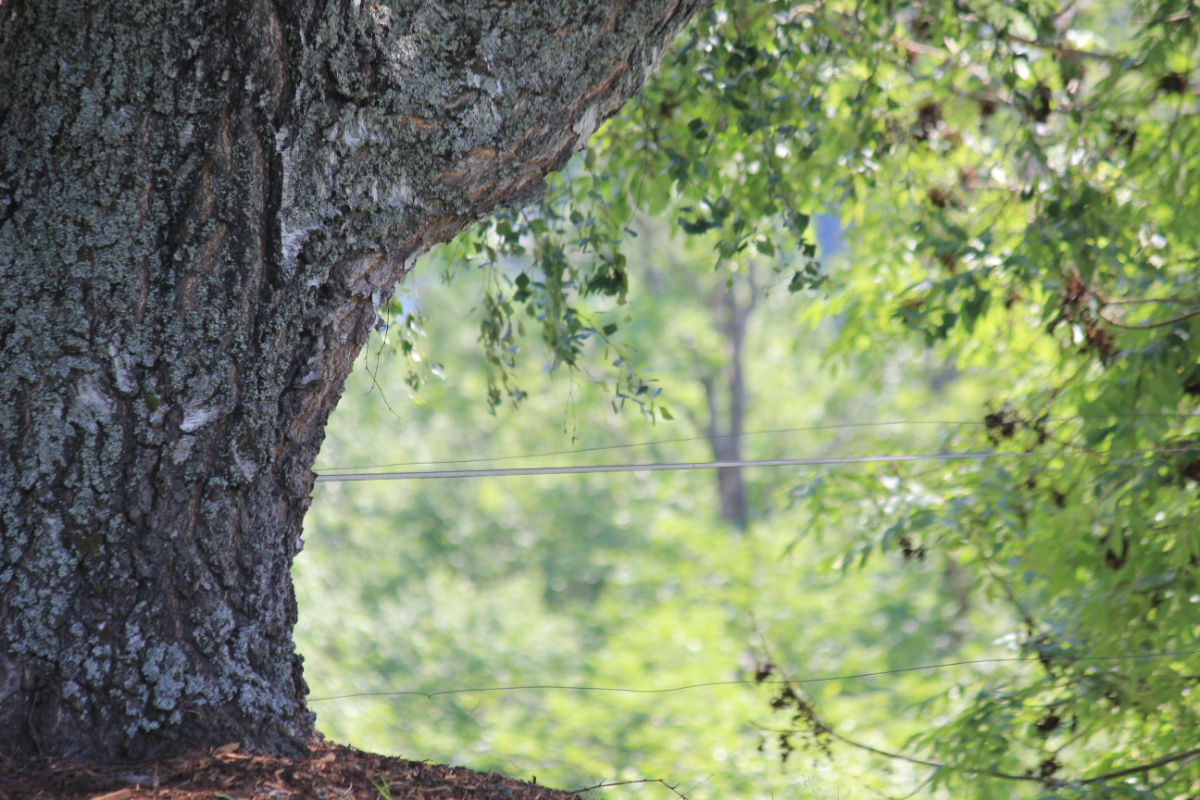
(201, 207)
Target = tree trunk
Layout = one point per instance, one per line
(726, 440)
(201, 206)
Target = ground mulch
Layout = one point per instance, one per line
(328, 772)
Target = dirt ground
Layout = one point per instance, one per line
(328, 772)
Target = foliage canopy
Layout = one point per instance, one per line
(1019, 189)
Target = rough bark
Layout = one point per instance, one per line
(201, 206)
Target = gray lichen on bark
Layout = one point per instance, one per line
(201, 207)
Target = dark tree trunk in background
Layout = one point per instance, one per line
(725, 430)
(201, 206)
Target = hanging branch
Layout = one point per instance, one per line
(822, 729)
(1186, 755)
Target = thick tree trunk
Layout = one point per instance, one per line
(201, 206)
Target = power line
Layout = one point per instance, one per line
(745, 435)
(692, 465)
(746, 681)
(681, 440)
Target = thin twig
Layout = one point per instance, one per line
(937, 764)
(1142, 326)
(610, 784)
(1183, 301)
(1064, 50)
(919, 787)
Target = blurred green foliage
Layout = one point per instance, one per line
(1017, 185)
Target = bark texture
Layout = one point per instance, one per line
(201, 206)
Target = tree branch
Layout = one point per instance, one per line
(1185, 756)
(1158, 762)
(1049, 781)
(1143, 326)
(938, 764)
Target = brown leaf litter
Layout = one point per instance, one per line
(328, 772)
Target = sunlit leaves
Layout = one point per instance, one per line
(1019, 187)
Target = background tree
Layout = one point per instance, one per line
(202, 207)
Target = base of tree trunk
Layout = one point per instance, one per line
(327, 770)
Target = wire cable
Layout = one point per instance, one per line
(744, 435)
(501, 472)
(681, 440)
(747, 681)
